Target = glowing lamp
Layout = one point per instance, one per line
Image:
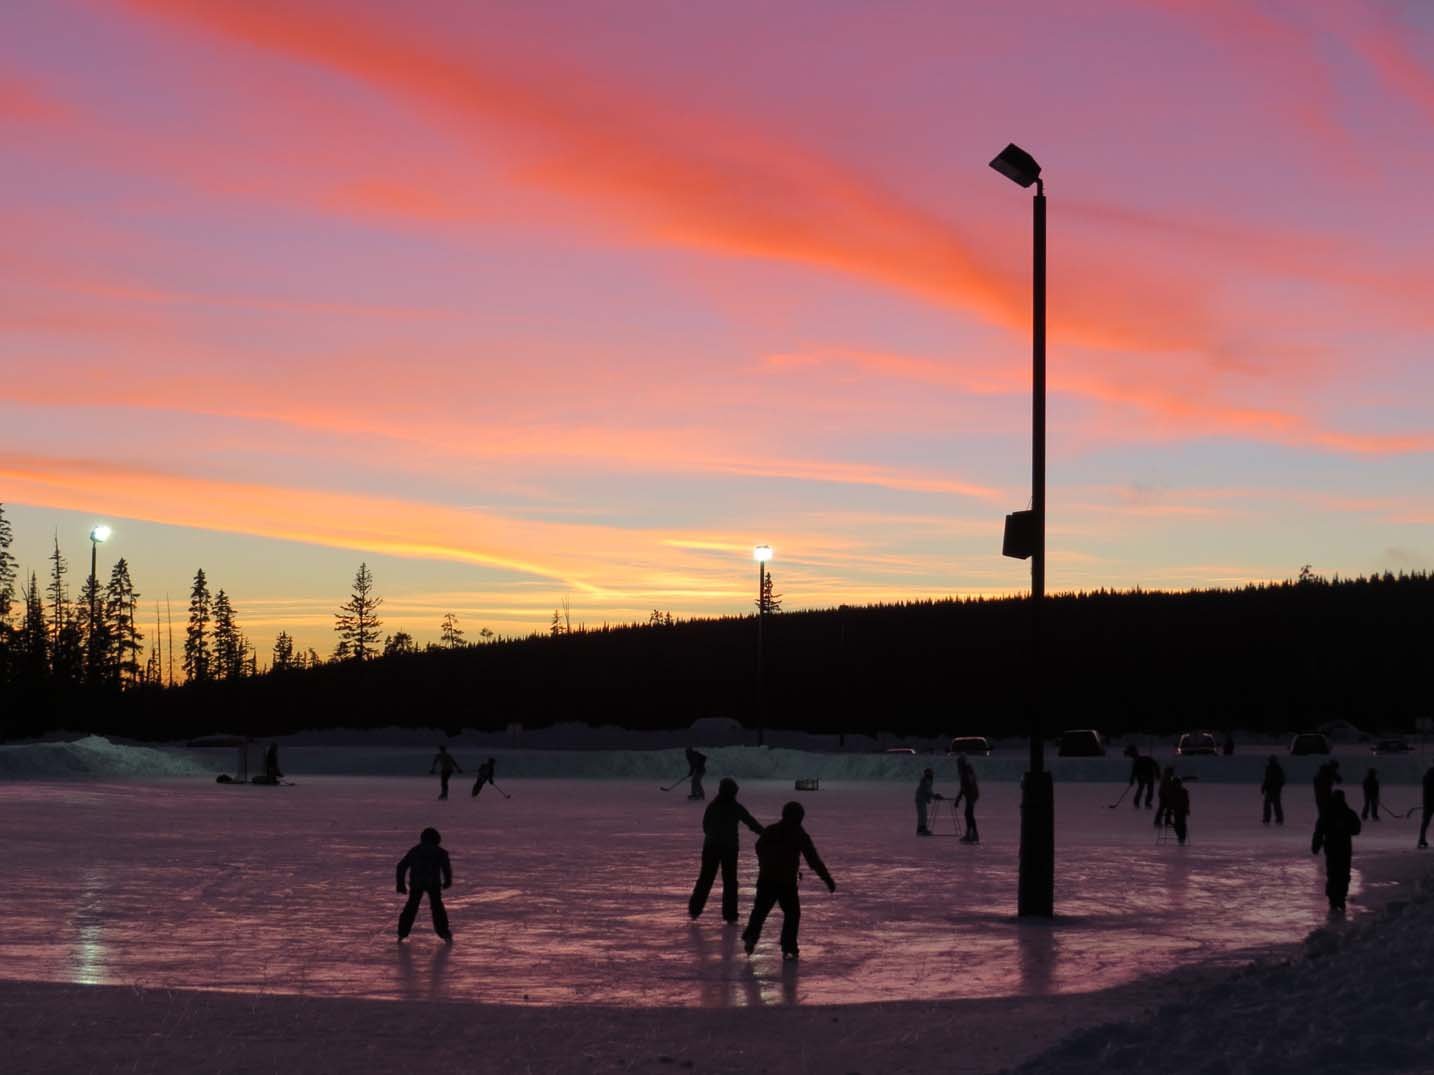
(101, 533)
(762, 553)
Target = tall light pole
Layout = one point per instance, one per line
(1036, 891)
(99, 534)
(761, 553)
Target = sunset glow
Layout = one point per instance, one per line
(526, 303)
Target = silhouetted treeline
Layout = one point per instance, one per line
(1268, 657)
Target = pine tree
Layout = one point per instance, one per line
(34, 638)
(769, 601)
(97, 640)
(228, 659)
(7, 572)
(284, 653)
(397, 643)
(357, 620)
(556, 627)
(58, 593)
(121, 626)
(452, 634)
(154, 666)
(196, 639)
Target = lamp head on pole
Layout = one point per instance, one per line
(762, 553)
(1017, 165)
(100, 533)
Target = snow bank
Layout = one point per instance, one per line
(1356, 1000)
(95, 756)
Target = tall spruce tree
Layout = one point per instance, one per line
(229, 645)
(34, 637)
(7, 571)
(58, 593)
(450, 632)
(284, 660)
(121, 627)
(196, 636)
(357, 620)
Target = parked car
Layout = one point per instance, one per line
(1197, 743)
(970, 744)
(1309, 743)
(1391, 746)
(900, 750)
(1081, 743)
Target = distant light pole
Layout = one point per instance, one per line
(761, 553)
(1036, 890)
(99, 534)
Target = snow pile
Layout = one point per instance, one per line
(1356, 999)
(93, 756)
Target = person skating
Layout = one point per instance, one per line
(428, 872)
(1325, 778)
(1162, 798)
(924, 794)
(779, 851)
(696, 767)
(272, 773)
(1178, 805)
(1370, 787)
(1335, 832)
(970, 791)
(1144, 770)
(719, 849)
(445, 764)
(485, 775)
(1272, 788)
(1428, 807)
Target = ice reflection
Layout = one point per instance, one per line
(575, 892)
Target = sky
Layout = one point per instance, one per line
(525, 303)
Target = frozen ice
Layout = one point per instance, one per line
(575, 891)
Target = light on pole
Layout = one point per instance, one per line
(99, 534)
(1026, 537)
(761, 553)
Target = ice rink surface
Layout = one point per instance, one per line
(575, 891)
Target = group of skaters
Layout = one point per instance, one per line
(445, 765)
(1160, 790)
(970, 791)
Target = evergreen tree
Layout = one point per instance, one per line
(121, 627)
(769, 601)
(196, 639)
(7, 572)
(284, 659)
(229, 644)
(98, 643)
(452, 634)
(33, 642)
(357, 620)
(399, 642)
(485, 634)
(58, 593)
(556, 627)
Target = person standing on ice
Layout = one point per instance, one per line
(970, 791)
(1335, 832)
(1162, 801)
(1272, 787)
(1178, 805)
(428, 871)
(445, 764)
(1143, 772)
(1370, 787)
(1428, 807)
(485, 775)
(779, 852)
(272, 775)
(696, 766)
(924, 794)
(719, 848)
(1325, 778)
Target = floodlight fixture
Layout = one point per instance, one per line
(762, 553)
(1017, 165)
(100, 533)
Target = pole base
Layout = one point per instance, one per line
(1036, 896)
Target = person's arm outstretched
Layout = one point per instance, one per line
(748, 820)
(809, 851)
(402, 872)
(446, 868)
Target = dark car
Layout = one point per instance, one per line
(1081, 743)
(1197, 743)
(970, 744)
(1391, 746)
(1310, 743)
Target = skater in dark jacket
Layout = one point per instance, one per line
(719, 848)
(1272, 787)
(445, 764)
(970, 791)
(1428, 807)
(779, 851)
(1144, 770)
(696, 766)
(1370, 787)
(485, 775)
(272, 774)
(427, 870)
(1162, 800)
(925, 793)
(1178, 805)
(1335, 832)
(1325, 778)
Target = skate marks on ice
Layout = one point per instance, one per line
(576, 892)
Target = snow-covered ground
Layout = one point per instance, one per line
(575, 891)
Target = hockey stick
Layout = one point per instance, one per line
(1123, 794)
(674, 784)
